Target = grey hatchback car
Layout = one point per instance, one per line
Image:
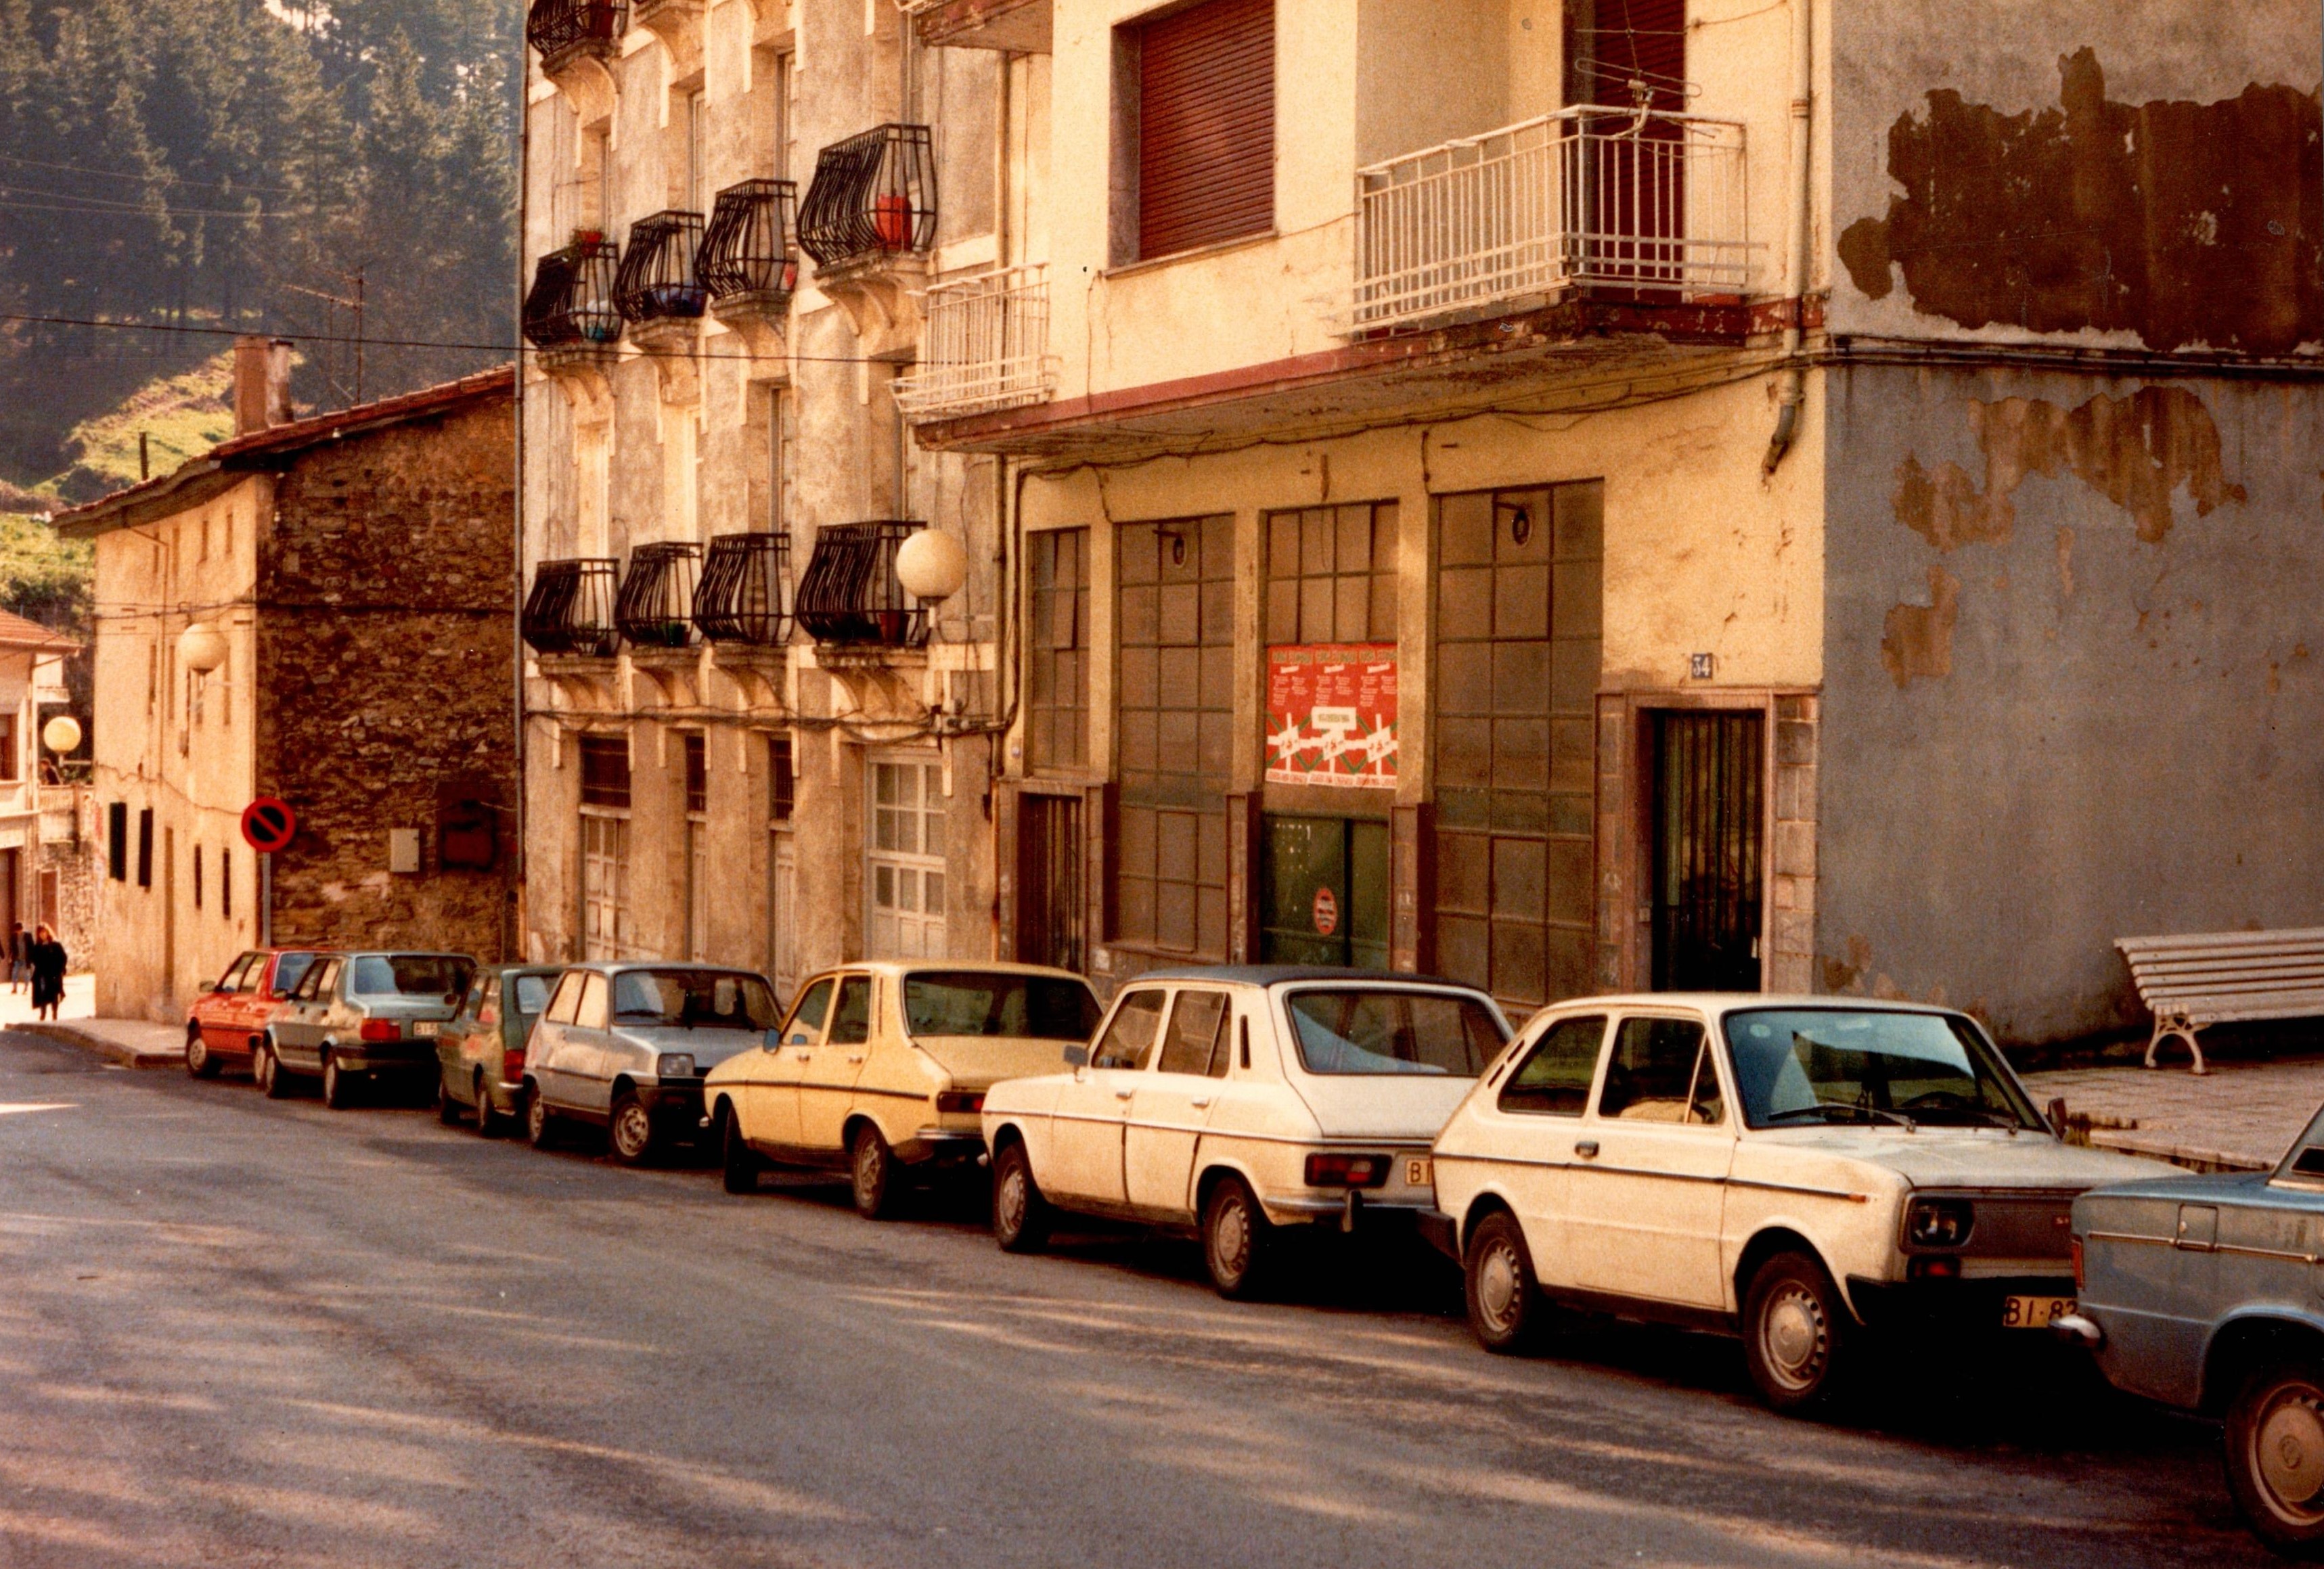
(625, 1045)
(355, 1017)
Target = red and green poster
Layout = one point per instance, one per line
(1330, 715)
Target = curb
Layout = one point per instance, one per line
(2162, 1149)
(128, 1056)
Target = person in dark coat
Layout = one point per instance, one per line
(20, 956)
(47, 957)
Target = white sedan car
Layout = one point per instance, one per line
(1236, 1101)
(1793, 1170)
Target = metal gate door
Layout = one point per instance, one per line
(1049, 880)
(1708, 850)
(1324, 892)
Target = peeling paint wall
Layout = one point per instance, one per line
(2084, 171)
(2071, 681)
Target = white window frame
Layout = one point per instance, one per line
(902, 878)
(605, 920)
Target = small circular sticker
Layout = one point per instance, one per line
(1327, 911)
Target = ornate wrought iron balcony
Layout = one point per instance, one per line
(570, 609)
(849, 593)
(874, 194)
(658, 278)
(985, 346)
(1624, 199)
(571, 301)
(656, 606)
(750, 252)
(554, 26)
(746, 595)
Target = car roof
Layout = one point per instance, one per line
(1274, 974)
(1732, 1002)
(621, 965)
(902, 967)
(399, 953)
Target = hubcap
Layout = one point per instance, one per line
(197, 1053)
(1012, 1200)
(2288, 1447)
(867, 1166)
(632, 1130)
(1231, 1237)
(1500, 1280)
(1792, 1335)
(536, 1118)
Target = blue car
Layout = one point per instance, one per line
(2206, 1293)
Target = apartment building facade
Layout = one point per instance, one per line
(350, 577)
(1651, 494)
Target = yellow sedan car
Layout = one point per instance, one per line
(881, 1069)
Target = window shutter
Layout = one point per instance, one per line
(1206, 126)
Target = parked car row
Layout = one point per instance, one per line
(1809, 1174)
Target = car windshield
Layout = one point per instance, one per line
(533, 993)
(967, 1001)
(1373, 1031)
(409, 975)
(289, 967)
(709, 999)
(1835, 1065)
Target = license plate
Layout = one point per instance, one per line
(2033, 1312)
(1415, 1171)
(425, 1026)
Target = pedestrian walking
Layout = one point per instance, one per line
(20, 956)
(47, 962)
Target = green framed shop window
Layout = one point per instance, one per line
(1323, 897)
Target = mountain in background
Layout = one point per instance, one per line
(234, 165)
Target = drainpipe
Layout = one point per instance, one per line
(1795, 376)
(513, 898)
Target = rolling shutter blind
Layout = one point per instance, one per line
(1206, 126)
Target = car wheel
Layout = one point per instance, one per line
(447, 1107)
(1796, 1335)
(2275, 1451)
(1238, 1241)
(540, 1121)
(338, 1084)
(488, 1120)
(630, 1132)
(200, 1060)
(1506, 1309)
(267, 1069)
(739, 1163)
(1020, 1216)
(872, 1166)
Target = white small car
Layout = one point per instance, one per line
(1238, 1100)
(1792, 1170)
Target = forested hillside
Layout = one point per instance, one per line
(233, 164)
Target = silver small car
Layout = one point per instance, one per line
(625, 1045)
(355, 1017)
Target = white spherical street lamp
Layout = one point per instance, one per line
(62, 734)
(931, 567)
(201, 647)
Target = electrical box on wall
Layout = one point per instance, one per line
(404, 850)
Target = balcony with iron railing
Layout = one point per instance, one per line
(1645, 204)
(874, 199)
(744, 595)
(569, 610)
(556, 26)
(850, 596)
(655, 606)
(658, 280)
(985, 345)
(571, 304)
(748, 260)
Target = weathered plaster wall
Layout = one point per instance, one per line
(2131, 175)
(2072, 668)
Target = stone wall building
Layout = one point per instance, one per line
(359, 566)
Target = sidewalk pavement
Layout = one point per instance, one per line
(132, 1042)
(2241, 1117)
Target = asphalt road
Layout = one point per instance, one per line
(242, 1332)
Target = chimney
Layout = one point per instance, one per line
(262, 383)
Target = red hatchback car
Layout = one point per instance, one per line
(229, 1020)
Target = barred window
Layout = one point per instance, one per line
(604, 771)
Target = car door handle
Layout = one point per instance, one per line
(1123, 1094)
(1587, 1148)
(1200, 1105)
(855, 1057)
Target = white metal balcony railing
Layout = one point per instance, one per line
(1588, 195)
(985, 345)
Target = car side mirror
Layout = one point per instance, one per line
(2055, 1114)
(1077, 1057)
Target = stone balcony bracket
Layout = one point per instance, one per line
(882, 297)
(580, 683)
(760, 676)
(583, 373)
(763, 321)
(675, 675)
(674, 344)
(678, 24)
(885, 685)
(584, 73)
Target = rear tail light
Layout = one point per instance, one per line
(381, 1029)
(2078, 1264)
(966, 1102)
(512, 1066)
(1940, 1269)
(1333, 1170)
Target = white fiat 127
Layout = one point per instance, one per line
(1239, 1101)
(1795, 1170)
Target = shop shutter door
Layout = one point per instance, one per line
(1206, 126)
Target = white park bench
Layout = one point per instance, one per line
(2194, 981)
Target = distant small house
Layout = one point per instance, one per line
(357, 567)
